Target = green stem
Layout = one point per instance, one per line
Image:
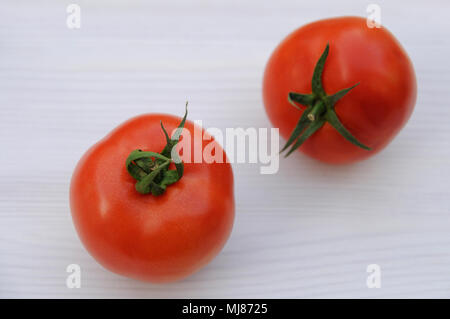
(319, 110)
(151, 170)
(316, 111)
(144, 185)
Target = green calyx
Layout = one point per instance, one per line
(319, 110)
(151, 170)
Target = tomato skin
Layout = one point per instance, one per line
(374, 111)
(150, 238)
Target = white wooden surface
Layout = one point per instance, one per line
(308, 231)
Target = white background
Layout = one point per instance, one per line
(308, 231)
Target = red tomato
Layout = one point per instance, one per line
(151, 238)
(373, 112)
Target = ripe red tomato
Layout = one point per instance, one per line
(357, 123)
(143, 236)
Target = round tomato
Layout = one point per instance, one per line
(339, 89)
(143, 215)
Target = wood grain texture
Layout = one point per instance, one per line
(308, 231)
